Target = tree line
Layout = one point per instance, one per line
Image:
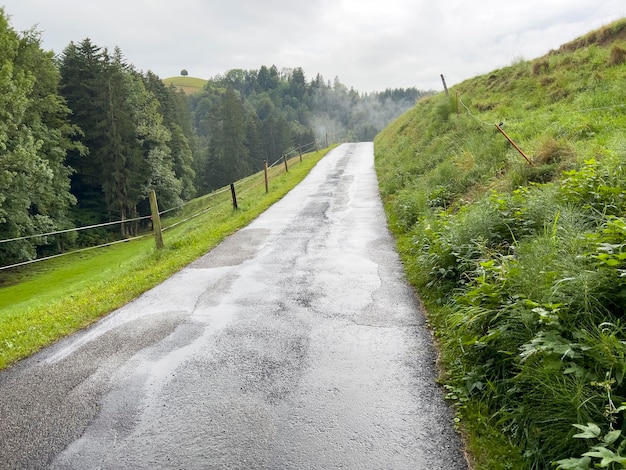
(84, 136)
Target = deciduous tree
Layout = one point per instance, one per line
(34, 139)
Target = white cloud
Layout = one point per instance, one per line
(369, 44)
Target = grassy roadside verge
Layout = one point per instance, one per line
(487, 447)
(49, 300)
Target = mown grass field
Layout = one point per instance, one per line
(522, 267)
(45, 301)
(189, 85)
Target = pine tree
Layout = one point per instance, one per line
(156, 167)
(232, 137)
(254, 142)
(82, 67)
(120, 155)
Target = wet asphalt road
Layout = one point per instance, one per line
(295, 344)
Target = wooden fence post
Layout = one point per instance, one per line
(514, 144)
(234, 195)
(300, 151)
(445, 87)
(286, 166)
(156, 220)
(267, 183)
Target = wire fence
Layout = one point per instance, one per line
(485, 123)
(207, 204)
(499, 126)
(549, 114)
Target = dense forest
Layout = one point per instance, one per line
(248, 116)
(84, 136)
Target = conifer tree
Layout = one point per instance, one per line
(81, 67)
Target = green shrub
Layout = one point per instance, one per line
(599, 188)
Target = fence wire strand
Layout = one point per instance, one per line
(575, 112)
(73, 252)
(77, 229)
(485, 123)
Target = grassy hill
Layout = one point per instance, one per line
(189, 85)
(522, 265)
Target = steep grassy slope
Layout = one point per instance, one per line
(523, 266)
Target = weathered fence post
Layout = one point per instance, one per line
(234, 195)
(267, 183)
(156, 220)
(286, 166)
(300, 151)
(445, 87)
(514, 144)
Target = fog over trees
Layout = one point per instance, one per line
(84, 136)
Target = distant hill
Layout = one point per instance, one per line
(189, 85)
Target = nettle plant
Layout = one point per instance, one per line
(611, 246)
(607, 448)
(599, 187)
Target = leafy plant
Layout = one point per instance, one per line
(597, 187)
(607, 448)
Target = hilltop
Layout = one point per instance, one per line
(188, 85)
(522, 264)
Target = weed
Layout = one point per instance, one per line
(606, 449)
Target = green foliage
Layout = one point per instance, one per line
(34, 138)
(522, 267)
(607, 450)
(597, 187)
(229, 156)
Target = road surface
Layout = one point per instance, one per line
(295, 344)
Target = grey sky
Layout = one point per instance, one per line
(369, 44)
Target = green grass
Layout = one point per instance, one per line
(46, 301)
(189, 85)
(521, 267)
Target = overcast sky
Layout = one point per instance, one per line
(370, 45)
